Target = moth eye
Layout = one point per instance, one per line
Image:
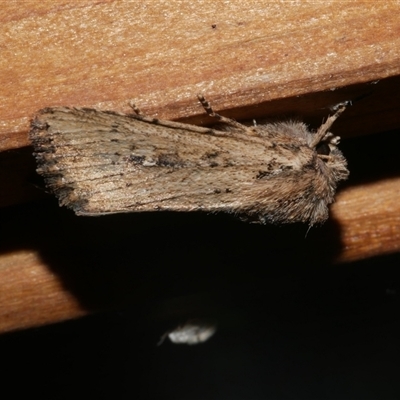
(323, 149)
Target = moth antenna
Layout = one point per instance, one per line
(231, 122)
(162, 339)
(324, 128)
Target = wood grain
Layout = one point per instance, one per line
(31, 295)
(369, 215)
(161, 53)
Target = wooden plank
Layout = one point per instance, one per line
(31, 295)
(369, 216)
(243, 55)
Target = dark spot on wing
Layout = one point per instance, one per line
(169, 160)
(136, 159)
(293, 147)
(262, 174)
(210, 155)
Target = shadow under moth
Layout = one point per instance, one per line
(102, 162)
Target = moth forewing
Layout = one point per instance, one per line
(101, 162)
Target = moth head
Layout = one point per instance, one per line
(331, 157)
(328, 143)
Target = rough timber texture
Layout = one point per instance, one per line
(252, 59)
(162, 53)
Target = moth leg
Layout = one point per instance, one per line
(135, 108)
(163, 337)
(324, 157)
(324, 128)
(231, 122)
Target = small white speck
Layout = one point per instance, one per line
(193, 332)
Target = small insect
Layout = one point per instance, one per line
(103, 162)
(193, 332)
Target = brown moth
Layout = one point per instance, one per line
(102, 162)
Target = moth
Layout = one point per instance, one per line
(192, 332)
(103, 162)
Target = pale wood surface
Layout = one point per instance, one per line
(252, 59)
(30, 294)
(162, 53)
(369, 217)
